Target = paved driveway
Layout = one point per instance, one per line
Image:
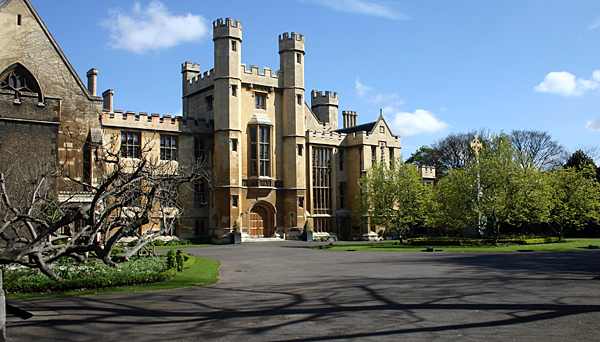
(282, 291)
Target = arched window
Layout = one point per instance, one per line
(18, 79)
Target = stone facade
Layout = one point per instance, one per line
(274, 161)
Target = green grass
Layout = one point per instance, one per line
(391, 246)
(181, 246)
(203, 272)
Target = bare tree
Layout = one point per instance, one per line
(536, 149)
(39, 224)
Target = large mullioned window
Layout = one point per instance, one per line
(321, 164)
(260, 151)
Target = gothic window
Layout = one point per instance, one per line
(209, 100)
(130, 145)
(199, 152)
(168, 147)
(373, 154)
(321, 163)
(18, 79)
(322, 225)
(260, 101)
(342, 195)
(199, 194)
(260, 151)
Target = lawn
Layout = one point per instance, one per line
(392, 246)
(182, 246)
(203, 272)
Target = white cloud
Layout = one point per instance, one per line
(375, 8)
(566, 84)
(153, 28)
(421, 121)
(365, 92)
(594, 24)
(361, 89)
(593, 125)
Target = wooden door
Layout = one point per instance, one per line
(258, 217)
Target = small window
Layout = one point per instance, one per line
(341, 161)
(299, 58)
(299, 98)
(130, 145)
(233, 90)
(209, 100)
(168, 147)
(300, 148)
(199, 153)
(233, 45)
(381, 129)
(373, 153)
(19, 20)
(260, 101)
(342, 195)
(234, 201)
(301, 201)
(234, 145)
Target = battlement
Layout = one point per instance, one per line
(291, 42)
(318, 98)
(190, 66)
(200, 81)
(227, 28)
(133, 120)
(321, 137)
(256, 71)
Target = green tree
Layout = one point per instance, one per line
(575, 199)
(497, 187)
(394, 197)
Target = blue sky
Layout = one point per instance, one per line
(433, 67)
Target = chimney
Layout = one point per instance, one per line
(92, 76)
(349, 118)
(107, 106)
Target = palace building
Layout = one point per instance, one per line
(274, 152)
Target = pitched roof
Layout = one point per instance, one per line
(367, 127)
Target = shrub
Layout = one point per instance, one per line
(48, 285)
(158, 242)
(172, 243)
(179, 260)
(171, 262)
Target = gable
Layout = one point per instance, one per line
(25, 39)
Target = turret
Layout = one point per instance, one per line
(325, 107)
(227, 37)
(190, 70)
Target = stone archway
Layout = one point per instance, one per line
(262, 221)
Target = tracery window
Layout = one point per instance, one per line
(199, 153)
(260, 151)
(18, 79)
(321, 163)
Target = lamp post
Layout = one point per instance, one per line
(476, 145)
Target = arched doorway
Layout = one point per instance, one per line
(261, 221)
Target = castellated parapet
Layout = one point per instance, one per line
(317, 98)
(198, 82)
(227, 28)
(291, 42)
(153, 122)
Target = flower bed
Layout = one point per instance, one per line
(144, 270)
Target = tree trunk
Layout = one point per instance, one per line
(2, 311)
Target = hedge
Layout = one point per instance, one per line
(472, 242)
(92, 283)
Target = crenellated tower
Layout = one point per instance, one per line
(227, 38)
(291, 56)
(325, 107)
